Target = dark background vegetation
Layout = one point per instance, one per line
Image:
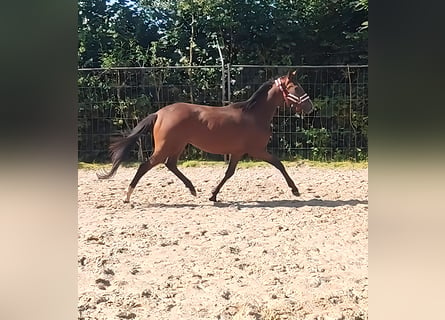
(117, 37)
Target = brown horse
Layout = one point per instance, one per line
(237, 129)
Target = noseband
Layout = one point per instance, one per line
(289, 96)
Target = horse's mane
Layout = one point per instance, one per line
(257, 95)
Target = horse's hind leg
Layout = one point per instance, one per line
(154, 160)
(234, 159)
(171, 164)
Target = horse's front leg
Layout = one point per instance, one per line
(269, 158)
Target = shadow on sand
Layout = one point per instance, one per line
(265, 204)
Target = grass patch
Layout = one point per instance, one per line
(287, 163)
(91, 166)
(241, 164)
(252, 164)
(96, 166)
(200, 163)
(337, 164)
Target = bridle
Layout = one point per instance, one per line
(289, 96)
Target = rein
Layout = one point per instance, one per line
(290, 96)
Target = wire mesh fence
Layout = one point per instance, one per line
(112, 101)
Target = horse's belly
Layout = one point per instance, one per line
(214, 145)
(228, 142)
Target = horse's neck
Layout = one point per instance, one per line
(266, 110)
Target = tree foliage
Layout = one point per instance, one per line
(186, 32)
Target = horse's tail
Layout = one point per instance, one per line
(121, 148)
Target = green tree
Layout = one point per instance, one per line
(117, 34)
(249, 32)
(93, 29)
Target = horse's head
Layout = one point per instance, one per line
(294, 94)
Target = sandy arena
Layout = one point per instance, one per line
(257, 253)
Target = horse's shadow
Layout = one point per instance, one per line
(294, 203)
(266, 204)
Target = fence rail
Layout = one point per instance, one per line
(112, 101)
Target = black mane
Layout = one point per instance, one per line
(257, 95)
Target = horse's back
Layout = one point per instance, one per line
(195, 117)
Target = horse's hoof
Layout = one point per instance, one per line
(213, 198)
(126, 200)
(193, 192)
(296, 193)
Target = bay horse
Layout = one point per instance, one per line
(236, 129)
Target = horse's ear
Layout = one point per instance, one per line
(291, 74)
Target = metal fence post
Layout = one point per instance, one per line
(228, 83)
(226, 156)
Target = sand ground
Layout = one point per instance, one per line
(257, 253)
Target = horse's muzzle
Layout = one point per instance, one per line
(305, 107)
